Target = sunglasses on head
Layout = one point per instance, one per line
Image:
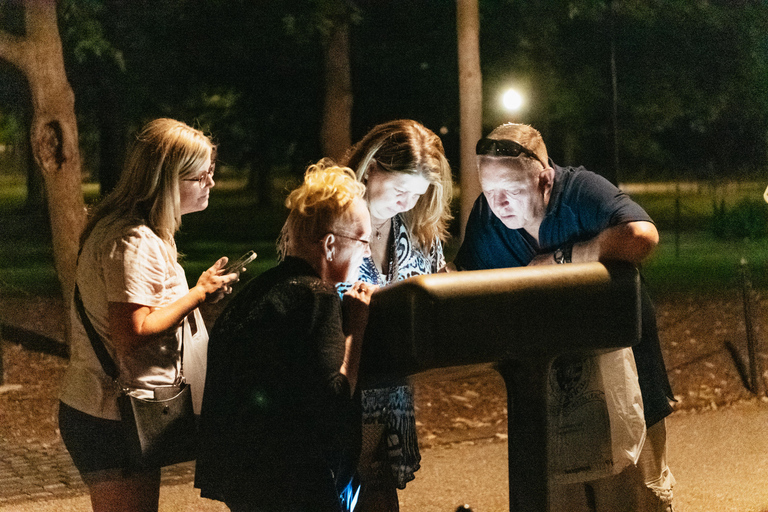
(498, 147)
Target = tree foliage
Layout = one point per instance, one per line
(692, 76)
(249, 72)
(696, 75)
(692, 81)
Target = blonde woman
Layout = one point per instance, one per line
(135, 295)
(408, 193)
(280, 423)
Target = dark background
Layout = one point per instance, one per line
(692, 78)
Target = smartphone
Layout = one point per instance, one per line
(239, 264)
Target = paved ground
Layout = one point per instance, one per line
(35, 471)
(719, 457)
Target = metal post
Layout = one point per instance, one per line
(526, 384)
(453, 322)
(677, 221)
(754, 364)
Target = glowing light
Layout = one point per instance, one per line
(349, 497)
(512, 100)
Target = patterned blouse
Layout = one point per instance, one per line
(393, 406)
(405, 260)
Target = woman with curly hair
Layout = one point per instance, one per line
(280, 424)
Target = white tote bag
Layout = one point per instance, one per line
(195, 356)
(595, 415)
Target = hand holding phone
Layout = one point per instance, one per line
(239, 265)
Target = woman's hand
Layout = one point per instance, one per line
(355, 307)
(132, 324)
(355, 312)
(211, 286)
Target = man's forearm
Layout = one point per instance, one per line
(631, 242)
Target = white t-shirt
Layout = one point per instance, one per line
(125, 262)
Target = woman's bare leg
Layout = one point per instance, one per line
(138, 492)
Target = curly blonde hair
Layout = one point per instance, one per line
(407, 146)
(318, 205)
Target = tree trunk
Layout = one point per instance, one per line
(337, 116)
(35, 192)
(614, 175)
(54, 139)
(470, 102)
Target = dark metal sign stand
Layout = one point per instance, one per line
(520, 320)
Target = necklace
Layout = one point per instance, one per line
(377, 229)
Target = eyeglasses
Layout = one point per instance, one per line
(366, 243)
(202, 180)
(500, 147)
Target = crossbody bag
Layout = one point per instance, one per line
(158, 431)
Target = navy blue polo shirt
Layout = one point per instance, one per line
(581, 205)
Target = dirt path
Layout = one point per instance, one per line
(696, 333)
(717, 452)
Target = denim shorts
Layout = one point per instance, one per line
(97, 446)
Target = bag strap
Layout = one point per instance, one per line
(99, 347)
(97, 342)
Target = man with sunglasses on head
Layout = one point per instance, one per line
(533, 212)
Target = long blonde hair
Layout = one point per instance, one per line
(164, 152)
(406, 146)
(317, 205)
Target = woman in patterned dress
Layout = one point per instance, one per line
(408, 192)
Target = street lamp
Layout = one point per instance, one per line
(512, 100)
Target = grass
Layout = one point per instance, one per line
(696, 201)
(232, 225)
(689, 257)
(703, 264)
(691, 260)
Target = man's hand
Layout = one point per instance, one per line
(548, 258)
